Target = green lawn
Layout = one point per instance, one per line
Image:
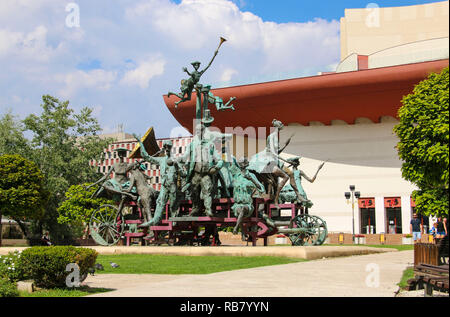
(173, 264)
(402, 247)
(407, 274)
(57, 292)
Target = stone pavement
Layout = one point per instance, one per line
(373, 275)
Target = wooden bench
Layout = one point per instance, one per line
(430, 278)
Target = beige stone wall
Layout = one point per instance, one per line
(14, 242)
(374, 239)
(228, 238)
(366, 31)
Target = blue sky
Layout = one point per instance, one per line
(126, 54)
(285, 11)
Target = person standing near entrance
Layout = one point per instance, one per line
(416, 228)
(425, 223)
(441, 229)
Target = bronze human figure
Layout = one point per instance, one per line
(146, 193)
(169, 183)
(245, 184)
(288, 194)
(216, 138)
(120, 182)
(203, 162)
(268, 163)
(188, 85)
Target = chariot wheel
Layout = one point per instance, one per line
(314, 230)
(106, 225)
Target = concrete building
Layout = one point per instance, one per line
(346, 117)
(373, 29)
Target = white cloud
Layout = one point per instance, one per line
(31, 45)
(144, 72)
(94, 79)
(8, 40)
(228, 74)
(97, 110)
(125, 47)
(179, 131)
(278, 47)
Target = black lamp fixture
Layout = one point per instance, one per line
(353, 194)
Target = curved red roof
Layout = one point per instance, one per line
(371, 93)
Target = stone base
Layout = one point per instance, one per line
(26, 286)
(228, 238)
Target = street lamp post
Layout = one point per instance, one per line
(353, 194)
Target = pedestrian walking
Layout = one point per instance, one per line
(416, 228)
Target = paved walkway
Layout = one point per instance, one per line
(374, 275)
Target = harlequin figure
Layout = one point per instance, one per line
(188, 85)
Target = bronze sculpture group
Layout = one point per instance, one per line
(204, 173)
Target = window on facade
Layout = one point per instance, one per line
(157, 179)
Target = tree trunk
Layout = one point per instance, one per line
(22, 226)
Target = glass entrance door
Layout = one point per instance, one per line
(394, 220)
(367, 220)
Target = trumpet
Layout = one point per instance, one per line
(222, 40)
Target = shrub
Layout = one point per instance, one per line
(11, 267)
(8, 288)
(47, 265)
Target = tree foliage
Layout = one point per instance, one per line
(12, 140)
(80, 205)
(424, 135)
(62, 144)
(22, 189)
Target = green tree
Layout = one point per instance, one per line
(22, 190)
(80, 205)
(12, 140)
(424, 135)
(63, 144)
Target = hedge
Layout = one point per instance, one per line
(47, 265)
(8, 288)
